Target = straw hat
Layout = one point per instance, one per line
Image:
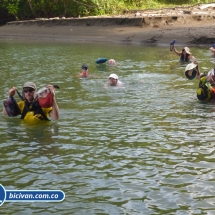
(187, 50)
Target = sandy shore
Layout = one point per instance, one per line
(193, 26)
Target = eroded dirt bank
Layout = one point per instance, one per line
(194, 25)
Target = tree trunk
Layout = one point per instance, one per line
(32, 9)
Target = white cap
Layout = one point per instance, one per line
(114, 76)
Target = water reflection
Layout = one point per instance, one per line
(147, 148)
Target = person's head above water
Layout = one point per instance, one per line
(29, 91)
(84, 72)
(84, 67)
(113, 79)
(111, 62)
(186, 50)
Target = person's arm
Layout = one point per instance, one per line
(106, 85)
(212, 49)
(177, 52)
(4, 111)
(11, 92)
(192, 58)
(55, 110)
(54, 114)
(197, 69)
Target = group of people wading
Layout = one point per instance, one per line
(206, 88)
(42, 104)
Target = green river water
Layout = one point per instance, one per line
(145, 148)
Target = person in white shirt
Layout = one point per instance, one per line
(113, 80)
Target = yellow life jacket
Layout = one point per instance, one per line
(33, 111)
(203, 91)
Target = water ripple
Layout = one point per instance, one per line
(146, 148)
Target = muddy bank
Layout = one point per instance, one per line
(193, 26)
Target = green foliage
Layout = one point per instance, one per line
(12, 7)
(30, 9)
(187, 2)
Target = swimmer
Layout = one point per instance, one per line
(111, 62)
(84, 73)
(113, 80)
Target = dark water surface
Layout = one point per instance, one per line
(146, 148)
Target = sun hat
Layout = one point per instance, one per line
(114, 76)
(187, 50)
(190, 66)
(84, 67)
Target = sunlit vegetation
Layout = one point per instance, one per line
(30, 9)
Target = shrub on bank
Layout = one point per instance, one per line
(30, 9)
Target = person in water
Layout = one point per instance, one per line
(29, 107)
(113, 80)
(185, 55)
(212, 49)
(206, 90)
(111, 62)
(84, 73)
(192, 71)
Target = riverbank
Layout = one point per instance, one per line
(193, 26)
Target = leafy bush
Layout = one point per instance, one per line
(30, 9)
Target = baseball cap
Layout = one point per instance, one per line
(30, 84)
(114, 76)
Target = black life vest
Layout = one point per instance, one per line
(203, 93)
(36, 108)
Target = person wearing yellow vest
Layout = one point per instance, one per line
(206, 90)
(29, 107)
